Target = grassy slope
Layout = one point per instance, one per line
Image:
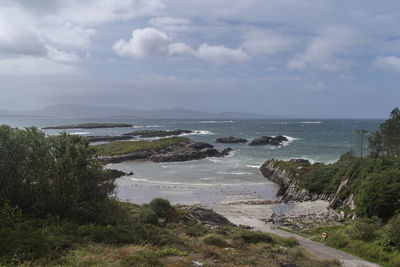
(131, 242)
(127, 147)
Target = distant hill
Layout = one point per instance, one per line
(75, 111)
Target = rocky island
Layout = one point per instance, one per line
(269, 140)
(161, 150)
(89, 126)
(230, 140)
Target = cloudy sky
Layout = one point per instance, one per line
(310, 58)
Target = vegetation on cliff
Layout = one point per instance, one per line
(372, 183)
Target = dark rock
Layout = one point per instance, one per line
(157, 133)
(268, 140)
(206, 217)
(116, 173)
(200, 145)
(230, 140)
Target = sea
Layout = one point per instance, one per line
(318, 140)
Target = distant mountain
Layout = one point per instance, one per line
(92, 112)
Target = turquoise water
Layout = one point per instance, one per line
(316, 140)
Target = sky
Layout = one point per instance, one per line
(303, 58)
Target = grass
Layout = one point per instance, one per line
(130, 242)
(341, 237)
(127, 147)
(89, 126)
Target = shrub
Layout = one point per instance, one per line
(392, 232)
(379, 195)
(366, 229)
(215, 240)
(148, 216)
(256, 237)
(290, 242)
(162, 207)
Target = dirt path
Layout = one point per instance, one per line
(254, 216)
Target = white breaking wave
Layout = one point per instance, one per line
(80, 133)
(140, 180)
(235, 173)
(154, 126)
(199, 132)
(253, 166)
(311, 122)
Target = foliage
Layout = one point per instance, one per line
(127, 147)
(55, 175)
(255, 237)
(391, 232)
(375, 248)
(379, 195)
(162, 208)
(215, 240)
(366, 229)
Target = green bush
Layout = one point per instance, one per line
(215, 240)
(392, 232)
(162, 208)
(256, 237)
(379, 195)
(290, 242)
(148, 216)
(366, 229)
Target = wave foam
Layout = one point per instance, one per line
(199, 132)
(306, 122)
(80, 133)
(235, 173)
(253, 166)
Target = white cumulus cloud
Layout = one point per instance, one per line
(143, 43)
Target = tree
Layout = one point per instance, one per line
(55, 175)
(375, 145)
(379, 195)
(361, 134)
(390, 131)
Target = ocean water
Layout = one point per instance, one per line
(313, 139)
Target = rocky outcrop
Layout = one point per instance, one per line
(268, 140)
(185, 151)
(117, 173)
(288, 189)
(230, 140)
(156, 133)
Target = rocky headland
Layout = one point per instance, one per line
(230, 140)
(268, 140)
(290, 190)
